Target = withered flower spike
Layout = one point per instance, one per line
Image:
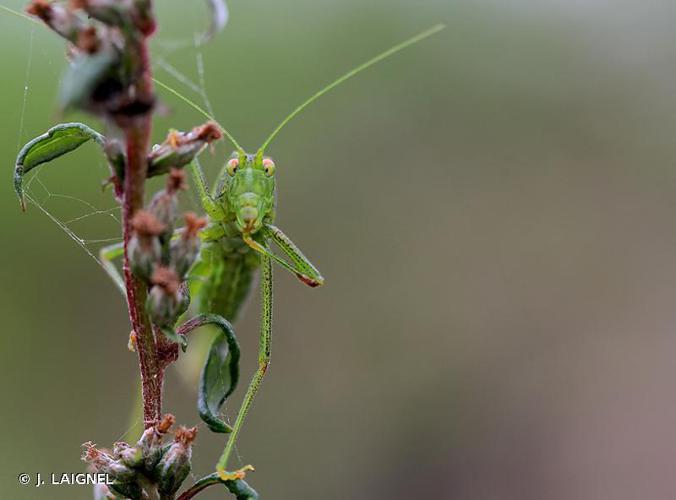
(167, 279)
(146, 224)
(193, 225)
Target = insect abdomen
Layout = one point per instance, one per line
(226, 285)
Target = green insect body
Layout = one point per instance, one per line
(227, 264)
(241, 211)
(223, 277)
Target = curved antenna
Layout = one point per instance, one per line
(383, 55)
(200, 110)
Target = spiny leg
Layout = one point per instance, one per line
(304, 269)
(300, 265)
(107, 255)
(210, 206)
(263, 362)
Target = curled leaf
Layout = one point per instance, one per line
(221, 369)
(219, 18)
(56, 142)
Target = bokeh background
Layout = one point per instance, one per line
(493, 211)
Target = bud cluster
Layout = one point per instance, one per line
(150, 464)
(162, 258)
(106, 63)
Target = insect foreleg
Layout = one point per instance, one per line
(263, 362)
(303, 268)
(299, 264)
(212, 208)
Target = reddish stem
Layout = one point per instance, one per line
(137, 135)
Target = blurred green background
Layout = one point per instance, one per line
(493, 211)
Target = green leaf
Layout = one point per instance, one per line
(221, 369)
(241, 490)
(56, 142)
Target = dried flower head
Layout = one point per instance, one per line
(176, 181)
(165, 424)
(146, 224)
(166, 279)
(193, 225)
(209, 132)
(206, 133)
(185, 435)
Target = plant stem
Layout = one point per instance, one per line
(237, 487)
(137, 135)
(203, 483)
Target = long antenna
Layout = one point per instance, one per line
(201, 110)
(384, 55)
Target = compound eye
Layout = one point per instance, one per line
(268, 166)
(231, 166)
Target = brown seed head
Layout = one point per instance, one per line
(146, 224)
(176, 181)
(193, 225)
(209, 132)
(167, 279)
(165, 424)
(185, 435)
